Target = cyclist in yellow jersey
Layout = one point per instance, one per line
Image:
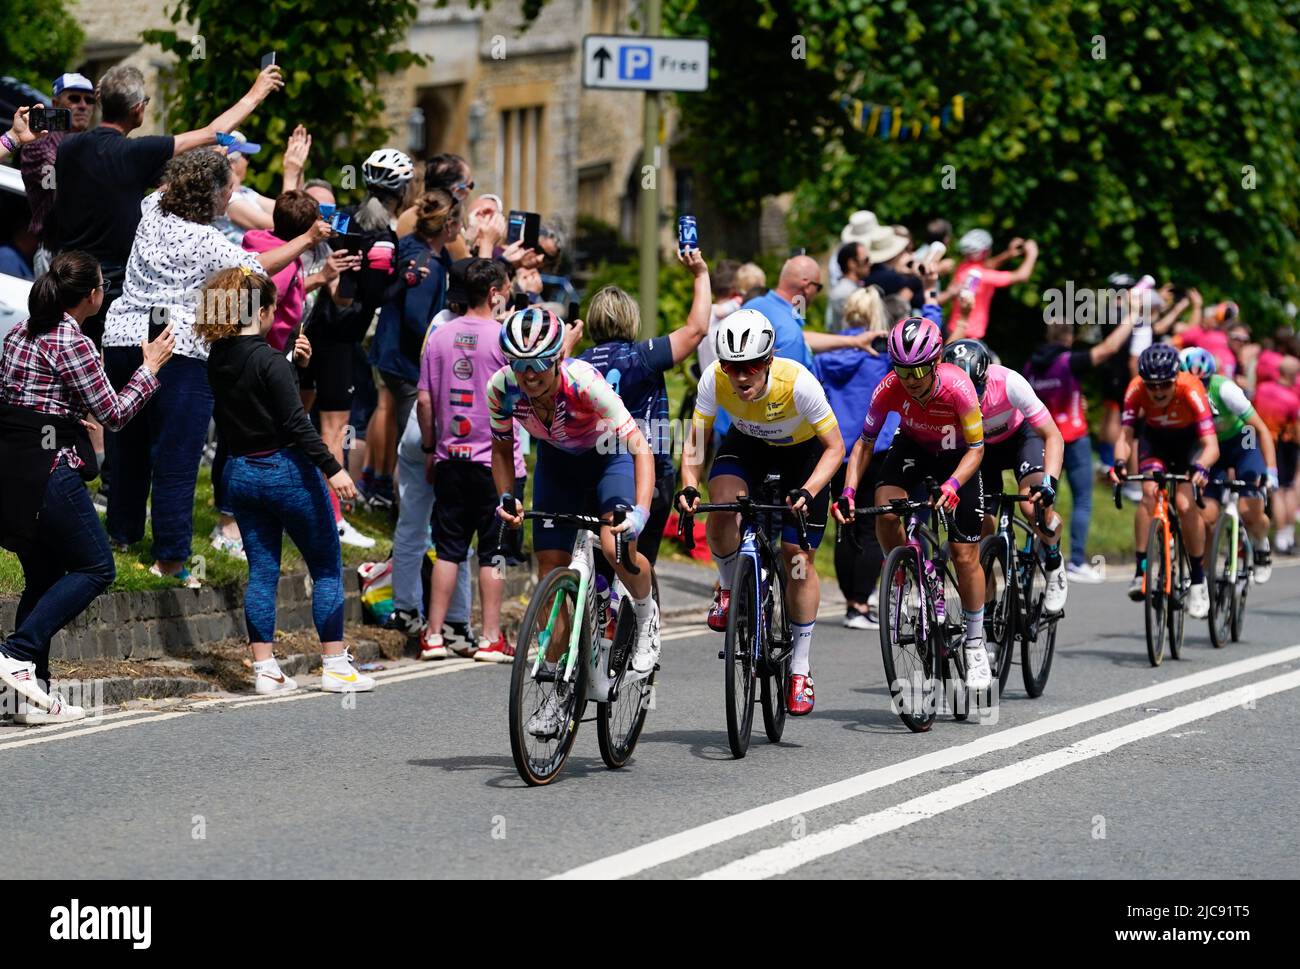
(781, 422)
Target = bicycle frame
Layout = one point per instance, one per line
(583, 562)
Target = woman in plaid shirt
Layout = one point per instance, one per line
(51, 378)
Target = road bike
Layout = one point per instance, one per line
(565, 608)
(759, 643)
(1231, 567)
(1015, 585)
(1167, 578)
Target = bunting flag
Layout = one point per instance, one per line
(886, 122)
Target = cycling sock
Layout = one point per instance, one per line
(1052, 558)
(1198, 570)
(642, 607)
(1141, 563)
(725, 564)
(974, 623)
(802, 661)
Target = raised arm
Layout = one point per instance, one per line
(686, 338)
(267, 81)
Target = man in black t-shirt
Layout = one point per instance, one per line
(102, 174)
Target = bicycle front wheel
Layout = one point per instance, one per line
(905, 653)
(1179, 581)
(1245, 556)
(619, 720)
(778, 636)
(743, 623)
(1000, 610)
(545, 710)
(1156, 603)
(1222, 583)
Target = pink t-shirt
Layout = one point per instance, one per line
(1216, 341)
(934, 425)
(459, 359)
(1279, 407)
(977, 323)
(1268, 366)
(290, 284)
(1007, 403)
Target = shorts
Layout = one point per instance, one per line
(1287, 452)
(1172, 451)
(331, 371)
(752, 460)
(1246, 464)
(464, 505)
(404, 394)
(1022, 453)
(907, 465)
(589, 483)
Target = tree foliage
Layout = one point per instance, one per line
(331, 55)
(39, 40)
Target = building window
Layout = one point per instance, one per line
(593, 191)
(519, 153)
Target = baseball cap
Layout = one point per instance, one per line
(72, 82)
(234, 144)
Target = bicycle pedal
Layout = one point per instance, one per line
(722, 654)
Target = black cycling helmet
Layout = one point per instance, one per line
(1159, 362)
(973, 357)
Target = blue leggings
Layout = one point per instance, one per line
(271, 495)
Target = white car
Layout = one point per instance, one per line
(13, 290)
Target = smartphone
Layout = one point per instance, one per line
(573, 312)
(339, 222)
(327, 211)
(158, 319)
(351, 241)
(525, 227)
(41, 118)
(268, 60)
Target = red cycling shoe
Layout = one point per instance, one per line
(799, 699)
(718, 611)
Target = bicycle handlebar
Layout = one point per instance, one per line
(747, 509)
(570, 520)
(1161, 478)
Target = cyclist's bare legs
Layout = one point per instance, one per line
(1193, 522)
(722, 530)
(805, 591)
(889, 528)
(970, 576)
(638, 585)
(547, 560)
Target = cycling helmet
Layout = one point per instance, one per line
(388, 168)
(973, 357)
(1198, 362)
(743, 336)
(532, 334)
(1158, 362)
(914, 342)
(975, 241)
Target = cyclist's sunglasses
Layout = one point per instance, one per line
(1158, 384)
(535, 364)
(746, 369)
(914, 373)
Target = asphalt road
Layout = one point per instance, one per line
(1119, 771)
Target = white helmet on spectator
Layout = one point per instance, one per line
(975, 241)
(388, 168)
(743, 336)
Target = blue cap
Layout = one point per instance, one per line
(235, 143)
(72, 82)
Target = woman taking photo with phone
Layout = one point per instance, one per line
(51, 378)
(275, 476)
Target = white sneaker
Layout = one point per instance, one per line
(547, 721)
(859, 620)
(350, 536)
(978, 674)
(648, 645)
(60, 712)
(1198, 601)
(1263, 563)
(222, 542)
(339, 675)
(1137, 588)
(1084, 573)
(432, 646)
(1057, 589)
(273, 681)
(20, 677)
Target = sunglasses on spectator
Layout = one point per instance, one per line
(818, 289)
(535, 364)
(81, 99)
(914, 373)
(746, 369)
(1158, 384)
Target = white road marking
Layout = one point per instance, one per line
(45, 738)
(795, 854)
(673, 847)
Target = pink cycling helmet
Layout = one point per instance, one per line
(914, 342)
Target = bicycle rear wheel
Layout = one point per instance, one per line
(1222, 583)
(550, 616)
(743, 623)
(776, 636)
(1245, 555)
(905, 654)
(1155, 604)
(1000, 607)
(619, 721)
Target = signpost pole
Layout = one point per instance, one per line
(649, 257)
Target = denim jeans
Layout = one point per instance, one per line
(71, 565)
(271, 495)
(411, 539)
(156, 456)
(1078, 471)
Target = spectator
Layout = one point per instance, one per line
(1054, 372)
(76, 93)
(1278, 404)
(978, 278)
(1210, 332)
(751, 281)
(16, 257)
(726, 300)
(865, 310)
(248, 209)
(896, 307)
(176, 249)
(276, 474)
(854, 267)
(102, 173)
(51, 376)
(635, 369)
(417, 295)
(19, 134)
(456, 437)
(448, 173)
(859, 228)
(886, 252)
(786, 307)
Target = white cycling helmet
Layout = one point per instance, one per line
(974, 241)
(743, 336)
(388, 168)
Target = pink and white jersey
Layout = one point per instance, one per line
(933, 425)
(1007, 403)
(587, 411)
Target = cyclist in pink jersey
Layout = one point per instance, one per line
(1021, 437)
(940, 436)
(590, 452)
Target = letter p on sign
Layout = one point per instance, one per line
(634, 63)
